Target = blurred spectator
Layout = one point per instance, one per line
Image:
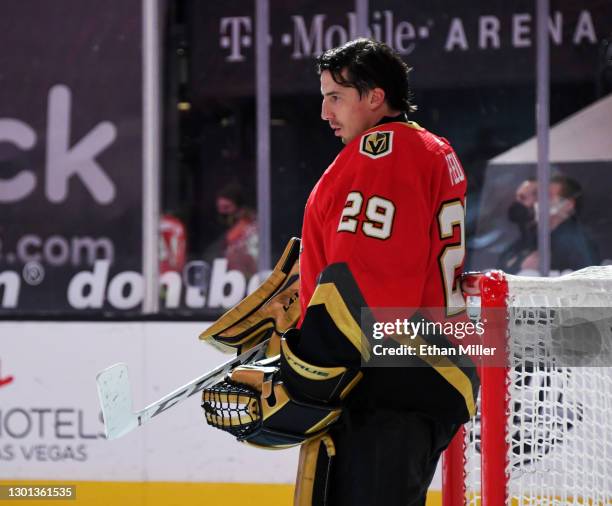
(571, 246)
(240, 240)
(522, 213)
(172, 244)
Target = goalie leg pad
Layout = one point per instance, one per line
(311, 484)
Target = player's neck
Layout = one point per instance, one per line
(390, 116)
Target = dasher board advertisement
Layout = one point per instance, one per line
(70, 156)
(50, 425)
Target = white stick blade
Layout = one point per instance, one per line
(116, 401)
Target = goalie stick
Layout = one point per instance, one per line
(115, 396)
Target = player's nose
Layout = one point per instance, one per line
(325, 114)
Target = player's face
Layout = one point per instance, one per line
(348, 114)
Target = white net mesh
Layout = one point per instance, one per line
(472, 467)
(559, 420)
(471, 464)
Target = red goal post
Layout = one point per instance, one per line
(543, 430)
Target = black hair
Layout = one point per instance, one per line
(234, 192)
(370, 64)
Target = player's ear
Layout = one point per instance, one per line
(377, 97)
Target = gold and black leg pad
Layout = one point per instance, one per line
(267, 313)
(313, 471)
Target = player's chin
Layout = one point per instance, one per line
(346, 138)
(338, 133)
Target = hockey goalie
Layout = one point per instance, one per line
(383, 228)
(368, 435)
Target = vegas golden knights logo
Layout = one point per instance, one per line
(376, 144)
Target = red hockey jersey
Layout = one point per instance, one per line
(391, 207)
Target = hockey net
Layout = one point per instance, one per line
(543, 430)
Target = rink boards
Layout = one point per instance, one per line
(51, 432)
